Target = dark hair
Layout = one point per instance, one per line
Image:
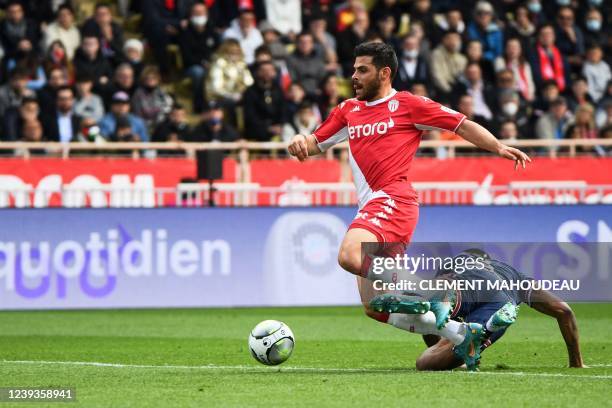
(102, 4)
(64, 88)
(383, 55)
(28, 99)
(64, 6)
(177, 106)
(12, 3)
(19, 73)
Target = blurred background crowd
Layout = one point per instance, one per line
(262, 70)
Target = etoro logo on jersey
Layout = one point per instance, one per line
(370, 129)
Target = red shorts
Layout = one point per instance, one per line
(390, 219)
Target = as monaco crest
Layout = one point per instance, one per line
(393, 105)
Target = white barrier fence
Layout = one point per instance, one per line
(122, 194)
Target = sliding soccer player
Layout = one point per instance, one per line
(384, 128)
(494, 310)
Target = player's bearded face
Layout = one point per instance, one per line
(366, 80)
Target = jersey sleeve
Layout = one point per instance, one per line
(333, 130)
(430, 115)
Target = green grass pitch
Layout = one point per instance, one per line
(199, 357)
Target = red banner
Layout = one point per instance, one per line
(42, 174)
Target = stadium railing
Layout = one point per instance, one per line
(548, 147)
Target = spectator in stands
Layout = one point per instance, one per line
(419, 89)
(325, 43)
(508, 131)
(385, 28)
(485, 30)
(150, 101)
(89, 61)
(63, 29)
(417, 29)
(228, 78)
(413, 67)
(285, 16)
(88, 104)
(304, 122)
(198, 41)
(109, 33)
(473, 52)
(213, 127)
(14, 91)
(264, 110)
(27, 58)
(547, 61)
(513, 109)
(31, 131)
(569, 38)
(175, 128)
(603, 115)
(596, 71)
(514, 60)
(123, 81)
(15, 27)
(294, 98)
(554, 123)
(272, 42)
(47, 95)
(421, 12)
(447, 63)
(244, 30)
(329, 96)
(549, 94)
(133, 51)
(579, 94)
(452, 19)
(584, 124)
(162, 20)
(465, 105)
(306, 65)
(63, 125)
(14, 118)
(57, 57)
(521, 26)
(350, 38)
(483, 93)
(120, 114)
(384, 8)
(596, 32)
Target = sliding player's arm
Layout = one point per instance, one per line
(481, 137)
(547, 303)
(303, 146)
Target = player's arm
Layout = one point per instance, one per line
(547, 303)
(481, 137)
(303, 146)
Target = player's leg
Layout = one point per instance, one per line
(351, 255)
(440, 356)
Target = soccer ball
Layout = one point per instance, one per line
(271, 342)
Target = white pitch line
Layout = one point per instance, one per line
(298, 369)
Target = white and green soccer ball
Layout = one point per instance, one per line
(271, 342)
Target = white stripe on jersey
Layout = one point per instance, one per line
(339, 137)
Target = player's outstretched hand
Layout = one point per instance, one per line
(298, 147)
(510, 153)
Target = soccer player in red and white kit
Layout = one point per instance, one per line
(384, 128)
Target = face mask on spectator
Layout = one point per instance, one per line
(534, 7)
(458, 47)
(411, 54)
(214, 121)
(564, 2)
(593, 25)
(510, 108)
(199, 20)
(58, 54)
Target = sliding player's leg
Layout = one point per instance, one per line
(440, 356)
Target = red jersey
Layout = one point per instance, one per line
(383, 137)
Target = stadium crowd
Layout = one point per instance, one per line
(267, 69)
